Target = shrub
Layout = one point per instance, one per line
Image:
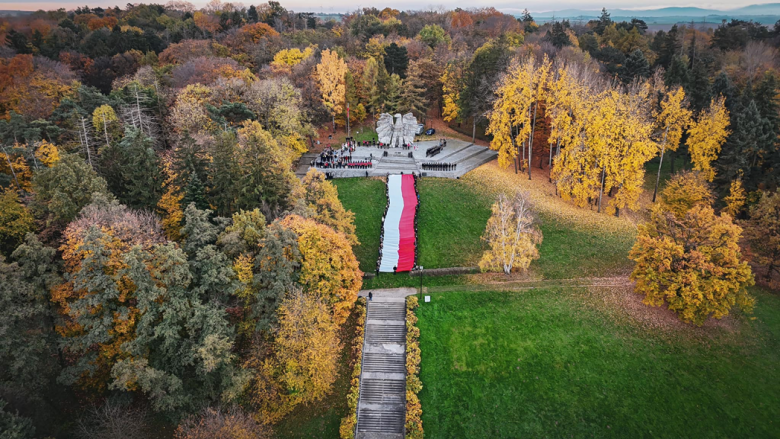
(349, 422)
(414, 427)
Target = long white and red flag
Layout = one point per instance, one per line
(399, 236)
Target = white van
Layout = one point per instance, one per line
(420, 129)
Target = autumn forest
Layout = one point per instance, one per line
(174, 265)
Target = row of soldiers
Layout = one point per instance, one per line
(439, 166)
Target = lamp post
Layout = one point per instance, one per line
(420, 270)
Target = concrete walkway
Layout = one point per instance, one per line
(381, 410)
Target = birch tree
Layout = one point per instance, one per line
(512, 235)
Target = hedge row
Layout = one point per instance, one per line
(349, 422)
(414, 427)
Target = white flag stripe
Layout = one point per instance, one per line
(392, 232)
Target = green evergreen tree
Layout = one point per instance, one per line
(14, 426)
(670, 48)
(603, 22)
(557, 35)
(28, 347)
(635, 66)
(722, 86)
(698, 89)
(748, 151)
(195, 192)
(251, 14)
(677, 74)
(396, 60)
(141, 173)
(393, 101)
(64, 189)
(223, 174)
(766, 100)
(276, 267)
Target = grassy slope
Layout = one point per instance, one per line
(452, 217)
(366, 198)
(541, 363)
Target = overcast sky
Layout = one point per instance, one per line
(348, 5)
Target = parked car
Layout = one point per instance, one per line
(430, 132)
(420, 129)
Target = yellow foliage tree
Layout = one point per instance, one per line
(329, 74)
(302, 362)
(329, 269)
(189, 112)
(735, 201)
(322, 199)
(512, 236)
(170, 205)
(684, 191)
(706, 136)
(15, 166)
(15, 221)
(673, 118)
(692, 263)
(47, 153)
(103, 118)
(602, 137)
(285, 59)
(451, 85)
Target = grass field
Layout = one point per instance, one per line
(555, 363)
(452, 218)
(366, 198)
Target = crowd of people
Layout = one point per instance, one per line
(340, 159)
(439, 166)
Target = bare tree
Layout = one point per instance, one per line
(113, 421)
(214, 423)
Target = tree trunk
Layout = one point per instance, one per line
(601, 188)
(531, 143)
(474, 129)
(105, 129)
(660, 165)
(549, 163)
(11, 167)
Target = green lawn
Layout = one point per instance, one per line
(451, 220)
(558, 363)
(366, 198)
(568, 251)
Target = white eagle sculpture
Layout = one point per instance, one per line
(399, 133)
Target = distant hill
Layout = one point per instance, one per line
(765, 14)
(14, 13)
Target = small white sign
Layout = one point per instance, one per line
(427, 298)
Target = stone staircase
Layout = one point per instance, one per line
(382, 404)
(395, 165)
(304, 163)
(467, 157)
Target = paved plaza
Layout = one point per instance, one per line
(465, 155)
